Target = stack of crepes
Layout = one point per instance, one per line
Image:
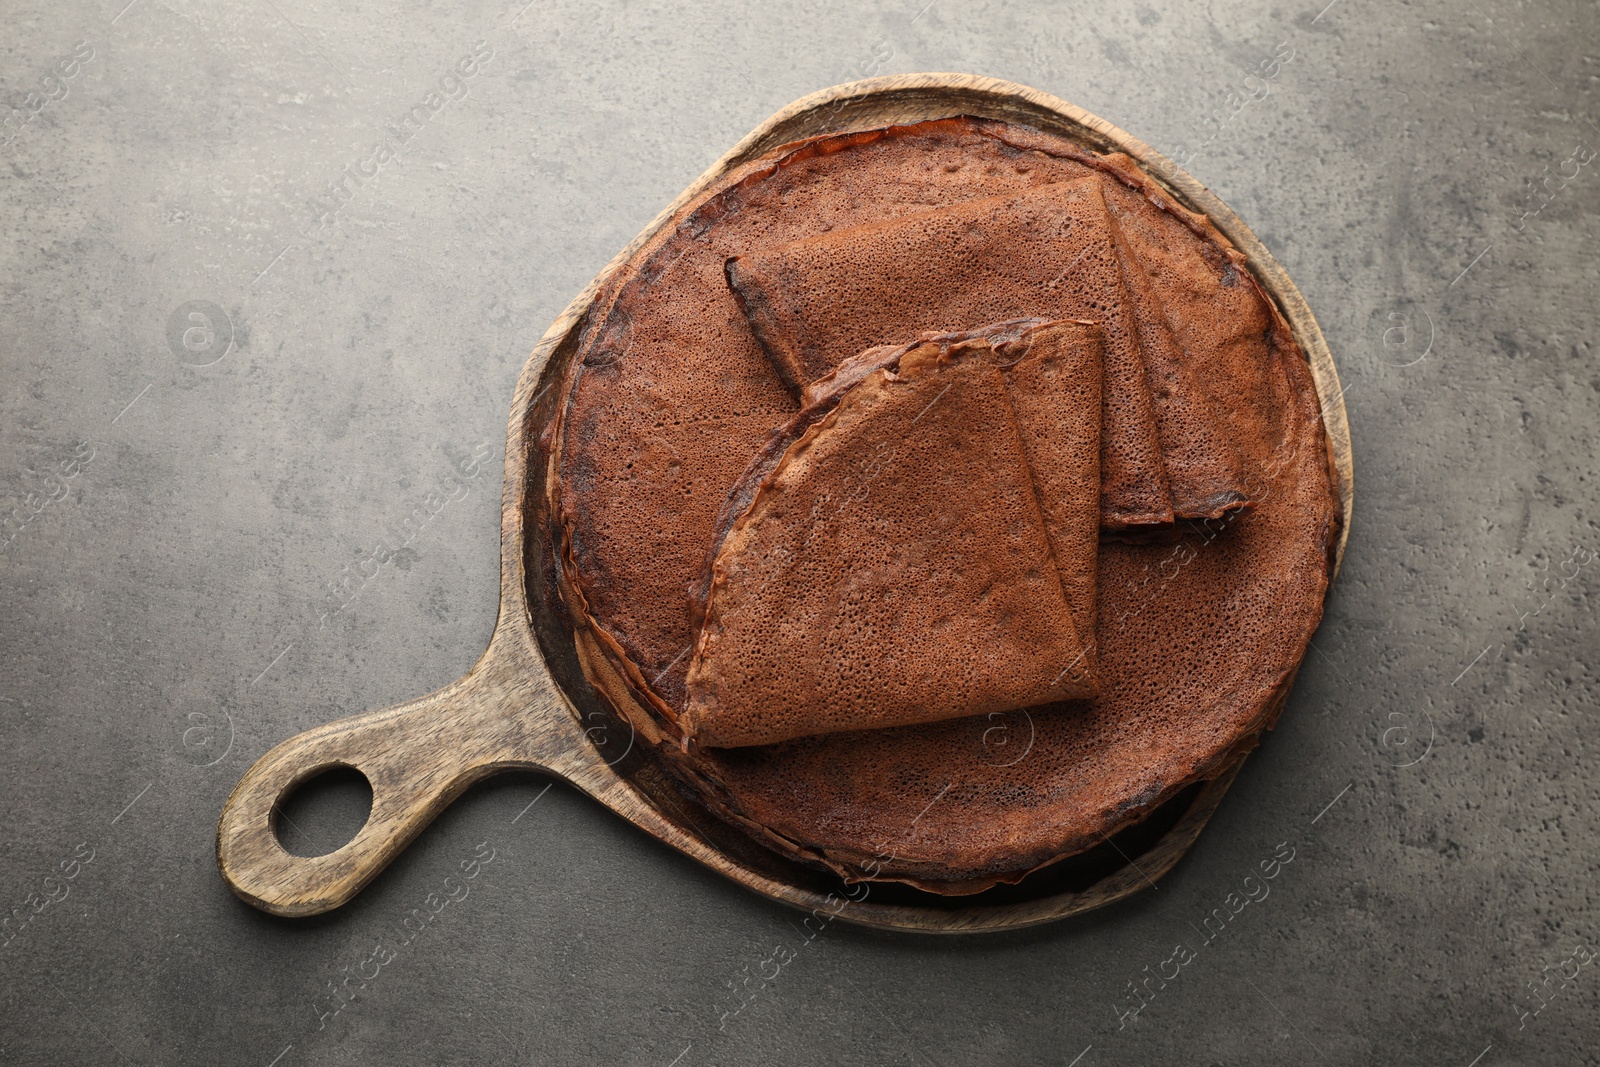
(920, 542)
(889, 434)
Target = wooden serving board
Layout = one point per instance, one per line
(524, 705)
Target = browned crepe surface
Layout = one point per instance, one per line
(894, 565)
(1053, 375)
(1204, 472)
(671, 395)
(1047, 251)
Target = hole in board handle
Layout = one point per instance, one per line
(323, 813)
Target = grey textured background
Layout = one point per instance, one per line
(175, 529)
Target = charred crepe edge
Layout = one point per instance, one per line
(604, 661)
(856, 867)
(816, 419)
(556, 521)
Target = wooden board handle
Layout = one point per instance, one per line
(417, 756)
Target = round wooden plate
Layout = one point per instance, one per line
(525, 705)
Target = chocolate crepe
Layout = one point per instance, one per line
(892, 563)
(1051, 251)
(669, 395)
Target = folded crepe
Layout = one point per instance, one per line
(918, 544)
(1204, 470)
(1050, 251)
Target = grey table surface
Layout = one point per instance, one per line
(220, 387)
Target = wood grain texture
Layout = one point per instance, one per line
(509, 712)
